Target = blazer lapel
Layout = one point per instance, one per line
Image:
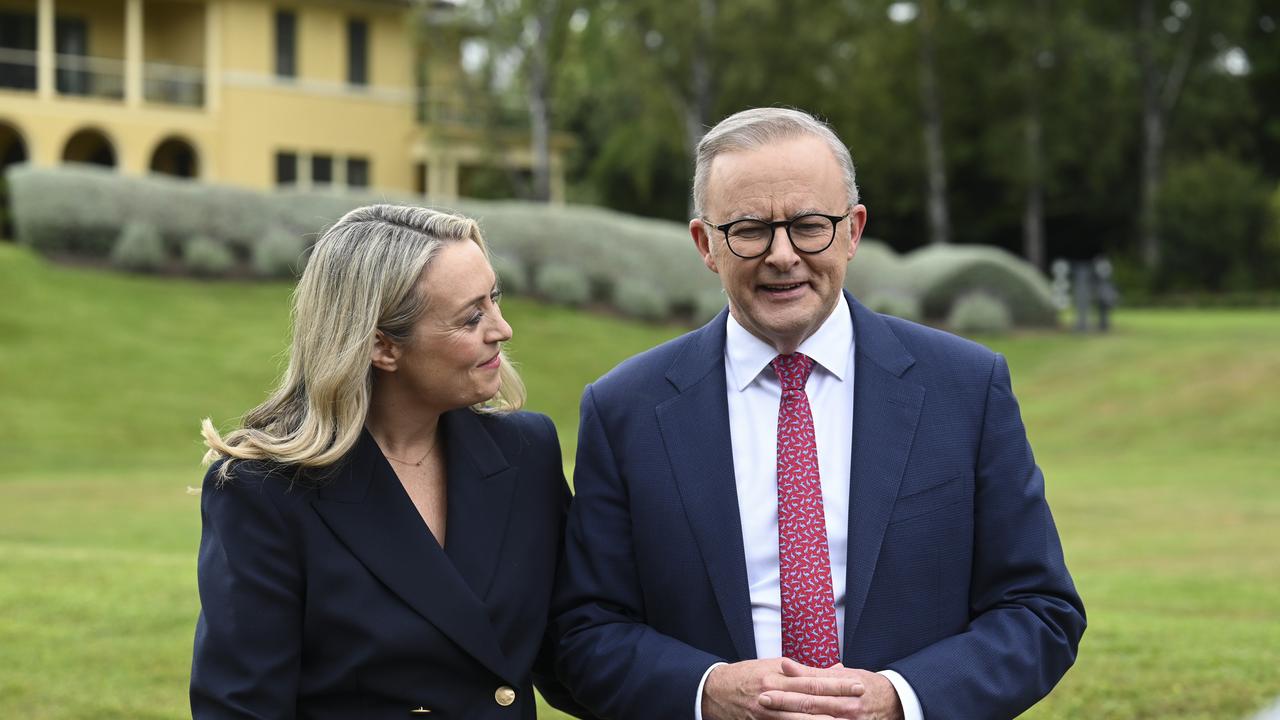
(369, 511)
(481, 491)
(886, 409)
(695, 429)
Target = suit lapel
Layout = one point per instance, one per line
(695, 429)
(481, 491)
(369, 511)
(886, 409)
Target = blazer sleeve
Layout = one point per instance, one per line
(544, 673)
(1027, 618)
(248, 638)
(615, 664)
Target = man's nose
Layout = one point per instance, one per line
(782, 254)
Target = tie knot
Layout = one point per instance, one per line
(793, 370)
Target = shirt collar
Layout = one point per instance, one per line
(747, 355)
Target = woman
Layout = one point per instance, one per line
(381, 536)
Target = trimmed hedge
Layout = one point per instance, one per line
(563, 284)
(633, 264)
(139, 248)
(941, 274)
(979, 313)
(207, 257)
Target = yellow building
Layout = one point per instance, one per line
(256, 93)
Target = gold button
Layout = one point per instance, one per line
(504, 695)
(419, 711)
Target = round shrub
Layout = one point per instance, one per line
(980, 313)
(277, 254)
(563, 284)
(942, 274)
(513, 277)
(896, 303)
(207, 257)
(139, 247)
(636, 298)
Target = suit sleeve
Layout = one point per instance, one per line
(1027, 618)
(614, 663)
(248, 637)
(544, 676)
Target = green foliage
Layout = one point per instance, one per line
(979, 313)
(513, 277)
(139, 247)
(638, 299)
(563, 285)
(273, 229)
(895, 303)
(941, 275)
(207, 257)
(708, 304)
(280, 253)
(876, 269)
(1212, 218)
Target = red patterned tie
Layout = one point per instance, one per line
(809, 633)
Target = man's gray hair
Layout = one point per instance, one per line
(757, 127)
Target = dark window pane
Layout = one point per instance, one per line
(321, 169)
(71, 40)
(286, 168)
(357, 52)
(286, 44)
(357, 172)
(18, 32)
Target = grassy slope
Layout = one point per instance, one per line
(1159, 444)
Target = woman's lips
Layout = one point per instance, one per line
(493, 362)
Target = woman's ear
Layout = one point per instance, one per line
(385, 352)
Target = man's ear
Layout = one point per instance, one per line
(857, 223)
(385, 353)
(702, 240)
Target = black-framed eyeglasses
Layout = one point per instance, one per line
(810, 233)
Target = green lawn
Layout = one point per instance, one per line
(1159, 443)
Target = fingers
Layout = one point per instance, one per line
(824, 686)
(788, 705)
(791, 668)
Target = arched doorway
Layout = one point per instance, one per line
(13, 150)
(90, 146)
(177, 157)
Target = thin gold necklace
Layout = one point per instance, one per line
(415, 464)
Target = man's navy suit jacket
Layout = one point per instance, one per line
(955, 578)
(335, 601)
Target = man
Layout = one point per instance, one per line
(804, 478)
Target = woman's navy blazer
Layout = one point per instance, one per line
(335, 601)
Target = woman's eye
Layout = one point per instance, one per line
(474, 320)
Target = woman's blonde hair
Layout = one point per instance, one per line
(362, 277)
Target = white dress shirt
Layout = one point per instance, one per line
(754, 395)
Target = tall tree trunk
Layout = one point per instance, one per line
(540, 97)
(1033, 236)
(697, 107)
(1160, 93)
(931, 110)
(1152, 138)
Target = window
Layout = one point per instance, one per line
(71, 40)
(321, 169)
(357, 172)
(18, 32)
(357, 52)
(286, 44)
(286, 168)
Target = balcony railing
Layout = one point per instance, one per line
(81, 75)
(173, 84)
(17, 69)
